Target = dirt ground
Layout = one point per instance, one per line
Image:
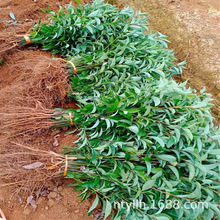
(192, 26)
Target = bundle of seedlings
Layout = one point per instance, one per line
(163, 153)
(103, 31)
(74, 30)
(129, 50)
(169, 130)
(148, 166)
(105, 45)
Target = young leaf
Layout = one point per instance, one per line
(167, 157)
(94, 205)
(134, 129)
(159, 140)
(108, 209)
(148, 184)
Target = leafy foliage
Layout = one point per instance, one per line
(157, 144)
(141, 135)
(100, 32)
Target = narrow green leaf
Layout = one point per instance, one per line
(148, 184)
(167, 157)
(159, 140)
(134, 129)
(108, 209)
(94, 205)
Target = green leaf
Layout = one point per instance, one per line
(95, 125)
(93, 14)
(60, 31)
(215, 152)
(167, 157)
(106, 190)
(188, 133)
(175, 171)
(163, 216)
(191, 171)
(177, 132)
(94, 205)
(108, 123)
(132, 110)
(102, 147)
(90, 29)
(142, 132)
(157, 175)
(148, 184)
(161, 73)
(196, 194)
(159, 140)
(108, 209)
(134, 129)
(91, 183)
(156, 100)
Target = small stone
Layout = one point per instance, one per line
(53, 195)
(62, 194)
(60, 188)
(50, 203)
(58, 199)
(27, 212)
(56, 136)
(46, 207)
(55, 189)
(76, 211)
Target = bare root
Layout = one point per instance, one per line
(39, 84)
(24, 166)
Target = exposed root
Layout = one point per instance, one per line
(24, 120)
(34, 85)
(39, 84)
(35, 80)
(7, 45)
(23, 166)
